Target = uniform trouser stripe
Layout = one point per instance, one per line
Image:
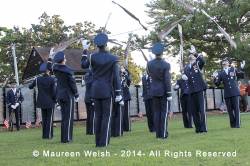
(51, 121)
(120, 112)
(129, 123)
(238, 112)
(93, 122)
(165, 121)
(205, 113)
(70, 112)
(107, 133)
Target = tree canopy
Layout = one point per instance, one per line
(233, 16)
(50, 31)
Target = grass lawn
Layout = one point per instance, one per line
(16, 148)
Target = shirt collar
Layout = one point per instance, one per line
(14, 90)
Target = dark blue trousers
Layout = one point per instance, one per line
(186, 110)
(90, 122)
(11, 117)
(103, 110)
(47, 122)
(160, 108)
(233, 110)
(117, 120)
(150, 114)
(199, 112)
(67, 110)
(126, 116)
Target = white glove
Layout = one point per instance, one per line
(242, 64)
(84, 55)
(215, 74)
(58, 107)
(169, 98)
(13, 106)
(176, 87)
(85, 44)
(192, 50)
(17, 104)
(184, 77)
(118, 98)
(121, 103)
(77, 99)
(51, 52)
(200, 54)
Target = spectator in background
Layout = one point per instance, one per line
(248, 94)
(243, 97)
(14, 99)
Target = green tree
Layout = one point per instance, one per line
(22, 39)
(234, 16)
(134, 69)
(50, 31)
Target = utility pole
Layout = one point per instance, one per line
(13, 49)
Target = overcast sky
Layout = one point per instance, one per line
(23, 13)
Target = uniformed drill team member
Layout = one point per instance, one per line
(14, 99)
(66, 94)
(46, 99)
(89, 102)
(160, 88)
(185, 100)
(228, 76)
(197, 87)
(117, 118)
(105, 74)
(125, 83)
(148, 102)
